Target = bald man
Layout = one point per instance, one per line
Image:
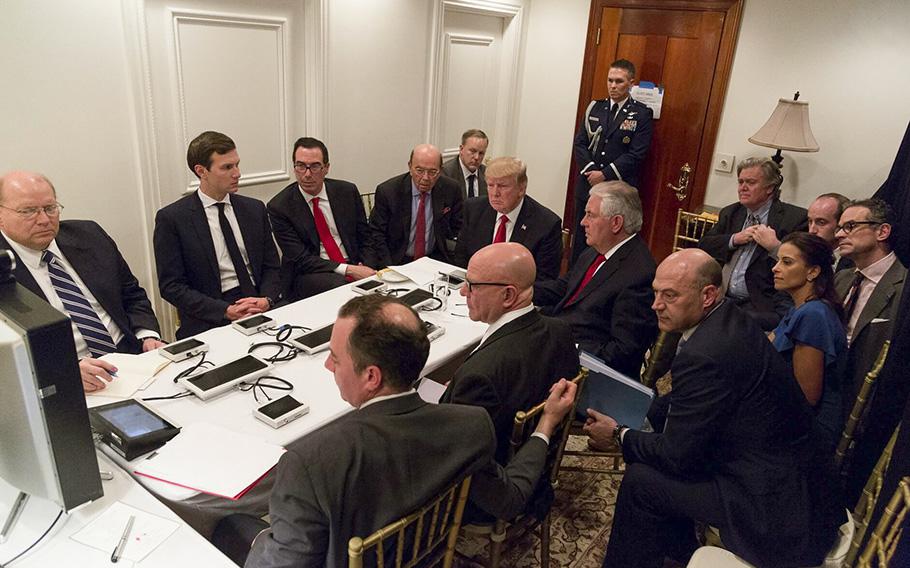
(522, 353)
(77, 268)
(735, 451)
(415, 214)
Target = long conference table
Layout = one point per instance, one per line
(313, 385)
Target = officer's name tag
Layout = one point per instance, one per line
(593, 118)
(630, 125)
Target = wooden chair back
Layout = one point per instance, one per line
(368, 199)
(429, 533)
(691, 227)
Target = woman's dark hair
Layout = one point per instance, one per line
(815, 251)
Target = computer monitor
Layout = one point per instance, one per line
(46, 447)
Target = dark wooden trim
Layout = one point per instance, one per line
(726, 51)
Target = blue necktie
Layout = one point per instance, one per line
(78, 307)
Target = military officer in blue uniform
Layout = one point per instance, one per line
(612, 141)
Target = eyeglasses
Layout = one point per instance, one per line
(471, 285)
(851, 226)
(29, 213)
(314, 168)
(428, 173)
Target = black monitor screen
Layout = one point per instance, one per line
(226, 373)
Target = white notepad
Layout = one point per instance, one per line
(211, 459)
(147, 533)
(134, 372)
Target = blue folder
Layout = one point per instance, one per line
(610, 392)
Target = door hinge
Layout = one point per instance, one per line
(597, 41)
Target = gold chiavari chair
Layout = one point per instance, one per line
(430, 533)
(691, 227)
(862, 514)
(859, 407)
(887, 533)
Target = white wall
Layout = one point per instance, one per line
(851, 61)
(553, 56)
(65, 111)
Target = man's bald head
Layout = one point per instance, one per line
(686, 286)
(501, 279)
(24, 179)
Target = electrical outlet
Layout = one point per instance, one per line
(724, 162)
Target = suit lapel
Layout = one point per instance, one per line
(341, 212)
(880, 297)
(249, 229)
(507, 330)
(305, 214)
(576, 276)
(204, 234)
(520, 230)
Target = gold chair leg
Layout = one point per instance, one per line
(497, 536)
(545, 542)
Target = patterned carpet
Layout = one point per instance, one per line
(581, 519)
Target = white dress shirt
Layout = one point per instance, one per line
(229, 279)
(512, 217)
(873, 275)
(326, 209)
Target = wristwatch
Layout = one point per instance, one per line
(617, 430)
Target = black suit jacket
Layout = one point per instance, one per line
(766, 304)
(363, 471)
(95, 257)
(188, 275)
(513, 370)
(536, 227)
(295, 229)
(452, 169)
(390, 221)
(612, 317)
(738, 418)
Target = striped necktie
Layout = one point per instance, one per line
(97, 337)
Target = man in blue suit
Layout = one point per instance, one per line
(612, 142)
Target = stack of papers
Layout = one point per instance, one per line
(134, 372)
(212, 459)
(146, 534)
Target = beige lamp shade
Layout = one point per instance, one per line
(788, 128)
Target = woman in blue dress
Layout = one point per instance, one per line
(812, 335)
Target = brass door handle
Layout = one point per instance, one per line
(682, 187)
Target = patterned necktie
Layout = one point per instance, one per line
(501, 230)
(598, 260)
(853, 295)
(325, 235)
(97, 337)
(420, 229)
(471, 179)
(243, 277)
(727, 271)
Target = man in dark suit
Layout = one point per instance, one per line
(392, 453)
(415, 214)
(746, 234)
(77, 268)
(521, 354)
(216, 258)
(735, 451)
(320, 226)
(612, 141)
(510, 215)
(467, 168)
(872, 295)
(606, 296)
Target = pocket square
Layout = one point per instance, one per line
(879, 320)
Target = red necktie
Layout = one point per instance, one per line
(598, 260)
(325, 235)
(420, 230)
(501, 231)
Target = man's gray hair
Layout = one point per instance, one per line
(769, 170)
(620, 198)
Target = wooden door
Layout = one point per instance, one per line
(686, 47)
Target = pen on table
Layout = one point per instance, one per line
(161, 368)
(115, 556)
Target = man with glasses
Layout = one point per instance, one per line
(521, 354)
(746, 237)
(606, 296)
(77, 268)
(216, 258)
(871, 294)
(510, 215)
(416, 214)
(320, 225)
